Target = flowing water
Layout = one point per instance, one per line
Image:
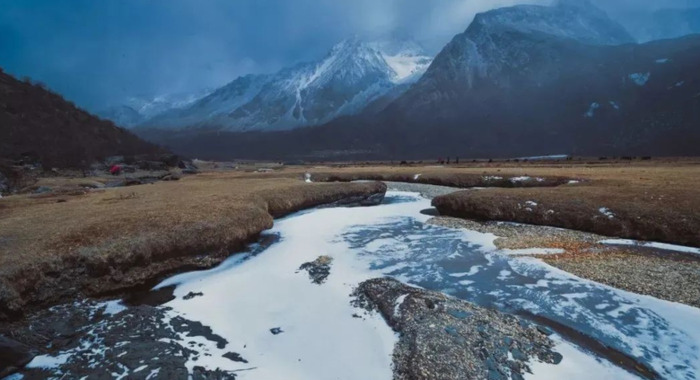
(287, 327)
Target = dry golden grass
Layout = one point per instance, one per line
(77, 240)
(117, 234)
(655, 202)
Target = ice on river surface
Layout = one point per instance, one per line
(661, 334)
(247, 296)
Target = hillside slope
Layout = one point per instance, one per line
(39, 123)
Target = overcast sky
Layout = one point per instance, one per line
(98, 52)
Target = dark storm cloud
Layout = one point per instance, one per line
(99, 52)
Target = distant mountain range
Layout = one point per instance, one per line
(137, 109)
(520, 81)
(350, 77)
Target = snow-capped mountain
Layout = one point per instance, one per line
(136, 109)
(121, 115)
(520, 81)
(352, 75)
(531, 79)
(499, 42)
(151, 106)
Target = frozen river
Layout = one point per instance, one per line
(286, 327)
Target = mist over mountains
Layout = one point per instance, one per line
(519, 80)
(522, 80)
(661, 24)
(351, 76)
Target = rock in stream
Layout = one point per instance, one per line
(442, 338)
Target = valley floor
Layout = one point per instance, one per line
(59, 246)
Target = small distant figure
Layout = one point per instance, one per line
(448, 160)
(457, 160)
(115, 170)
(307, 177)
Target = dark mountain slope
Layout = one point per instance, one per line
(566, 97)
(40, 123)
(520, 81)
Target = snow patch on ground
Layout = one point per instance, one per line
(268, 292)
(533, 251)
(640, 79)
(606, 211)
(520, 179)
(113, 307)
(399, 302)
(48, 361)
(664, 246)
(576, 365)
(591, 109)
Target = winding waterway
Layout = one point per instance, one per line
(285, 326)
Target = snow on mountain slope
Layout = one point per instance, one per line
(498, 43)
(219, 102)
(121, 115)
(136, 109)
(151, 106)
(351, 76)
(406, 58)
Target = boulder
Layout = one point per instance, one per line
(13, 356)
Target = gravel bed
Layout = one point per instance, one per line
(674, 278)
(442, 338)
(643, 270)
(519, 236)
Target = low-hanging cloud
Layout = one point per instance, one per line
(98, 53)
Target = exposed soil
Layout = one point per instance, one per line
(110, 240)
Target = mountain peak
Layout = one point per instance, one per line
(579, 20)
(353, 74)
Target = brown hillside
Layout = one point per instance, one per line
(37, 122)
